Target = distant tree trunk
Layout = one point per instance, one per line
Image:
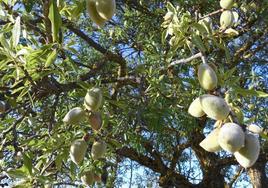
(257, 175)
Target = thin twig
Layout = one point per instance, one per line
(53, 111)
(204, 59)
(131, 174)
(212, 13)
(46, 4)
(189, 59)
(5, 132)
(236, 176)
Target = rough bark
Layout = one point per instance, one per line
(257, 173)
(209, 162)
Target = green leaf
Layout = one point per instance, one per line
(264, 136)
(170, 7)
(199, 28)
(197, 41)
(251, 92)
(227, 53)
(4, 42)
(58, 161)
(3, 64)
(164, 35)
(72, 170)
(55, 19)
(25, 182)
(27, 163)
(51, 58)
(18, 173)
(17, 89)
(79, 7)
(28, 5)
(229, 73)
(16, 32)
(23, 92)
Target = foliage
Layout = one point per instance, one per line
(51, 53)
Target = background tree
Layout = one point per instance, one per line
(51, 53)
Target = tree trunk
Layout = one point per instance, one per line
(257, 175)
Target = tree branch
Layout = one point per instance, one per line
(177, 153)
(111, 56)
(167, 174)
(248, 44)
(182, 61)
(212, 13)
(46, 4)
(238, 173)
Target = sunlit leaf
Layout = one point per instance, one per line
(246, 92)
(55, 19)
(51, 58)
(16, 32)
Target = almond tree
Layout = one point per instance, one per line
(122, 79)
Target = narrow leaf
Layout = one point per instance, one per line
(197, 41)
(55, 20)
(251, 92)
(4, 42)
(27, 163)
(16, 32)
(51, 58)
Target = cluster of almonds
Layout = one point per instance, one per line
(228, 136)
(228, 16)
(92, 102)
(101, 11)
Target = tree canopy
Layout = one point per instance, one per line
(145, 60)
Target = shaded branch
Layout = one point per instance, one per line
(110, 56)
(46, 4)
(141, 159)
(227, 161)
(238, 54)
(177, 153)
(13, 126)
(167, 175)
(236, 176)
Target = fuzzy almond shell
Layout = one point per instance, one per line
(210, 143)
(207, 77)
(226, 4)
(215, 107)
(87, 178)
(74, 116)
(78, 151)
(226, 19)
(95, 120)
(248, 154)
(93, 99)
(255, 129)
(98, 149)
(106, 8)
(93, 14)
(231, 137)
(195, 108)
